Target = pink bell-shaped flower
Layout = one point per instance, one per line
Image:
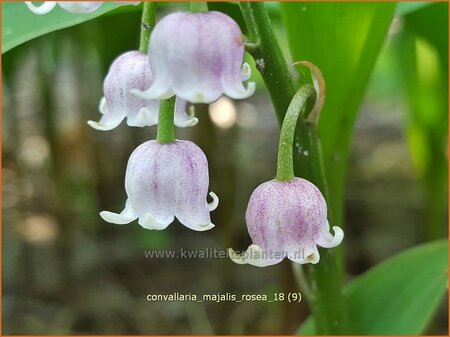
(132, 70)
(287, 219)
(287, 216)
(164, 181)
(78, 7)
(198, 57)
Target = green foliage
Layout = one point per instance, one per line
(27, 25)
(398, 296)
(404, 8)
(422, 51)
(343, 40)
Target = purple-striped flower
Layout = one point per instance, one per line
(287, 219)
(164, 181)
(132, 70)
(198, 57)
(78, 7)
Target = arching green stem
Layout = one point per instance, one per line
(303, 99)
(147, 24)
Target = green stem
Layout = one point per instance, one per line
(285, 163)
(328, 302)
(166, 127)
(271, 63)
(147, 25)
(199, 6)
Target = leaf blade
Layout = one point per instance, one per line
(20, 25)
(398, 296)
(405, 8)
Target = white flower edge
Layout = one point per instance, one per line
(256, 256)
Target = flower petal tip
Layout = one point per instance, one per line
(213, 204)
(254, 256)
(338, 236)
(202, 228)
(235, 257)
(303, 256)
(191, 113)
(194, 121)
(149, 222)
(246, 72)
(99, 126)
(326, 240)
(187, 123)
(115, 218)
(251, 87)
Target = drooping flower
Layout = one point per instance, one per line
(287, 219)
(132, 70)
(198, 57)
(164, 181)
(78, 7)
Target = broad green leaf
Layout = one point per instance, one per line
(404, 8)
(343, 40)
(398, 296)
(19, 25)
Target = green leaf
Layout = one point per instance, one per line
(20, 25)
(422, 52)
(343, 40)
(405, 8)
(398, 296)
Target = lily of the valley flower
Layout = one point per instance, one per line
(198, 57)
(71, 6)
(287, 219)
(287, 216)
(132, 70)
(164, 181)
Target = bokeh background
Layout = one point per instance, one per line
(65, 271)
